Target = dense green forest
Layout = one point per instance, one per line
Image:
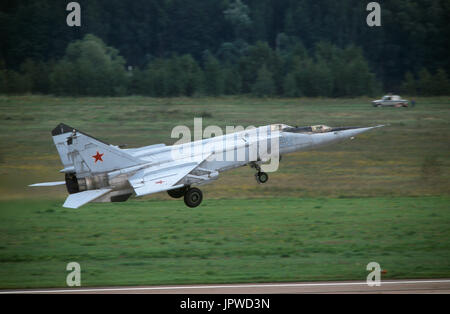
(215, 47)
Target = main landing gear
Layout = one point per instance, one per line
(192, 196)
(177, 193)
(261, 177)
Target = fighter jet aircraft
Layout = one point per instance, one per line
(99, 172)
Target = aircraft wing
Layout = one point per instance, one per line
(79, 199)
(162, 178)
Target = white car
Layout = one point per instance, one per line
(390, 101)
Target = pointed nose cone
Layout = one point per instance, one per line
(353, 132)
(338, 135)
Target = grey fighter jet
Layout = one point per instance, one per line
(99, 172)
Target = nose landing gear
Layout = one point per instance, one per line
(261, 177)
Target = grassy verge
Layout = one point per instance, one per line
(238, 240)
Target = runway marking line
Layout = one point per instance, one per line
(286, 285)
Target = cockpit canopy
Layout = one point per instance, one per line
(278, 127)
(314, 128)
(308, 129)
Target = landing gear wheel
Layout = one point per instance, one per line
(193, 197)
(177, 193)
(262, 177)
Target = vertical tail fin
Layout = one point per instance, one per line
(87, 154)
(91, 156)
(60, 135)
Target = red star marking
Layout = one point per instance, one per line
(98, 157)
(159, 182)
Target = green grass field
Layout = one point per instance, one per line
(324, 215)
(277, 239)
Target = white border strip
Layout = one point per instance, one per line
(125, 289)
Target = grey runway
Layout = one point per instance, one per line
(388, 286)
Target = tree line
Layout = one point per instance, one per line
(90, 67)
(311, 48)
